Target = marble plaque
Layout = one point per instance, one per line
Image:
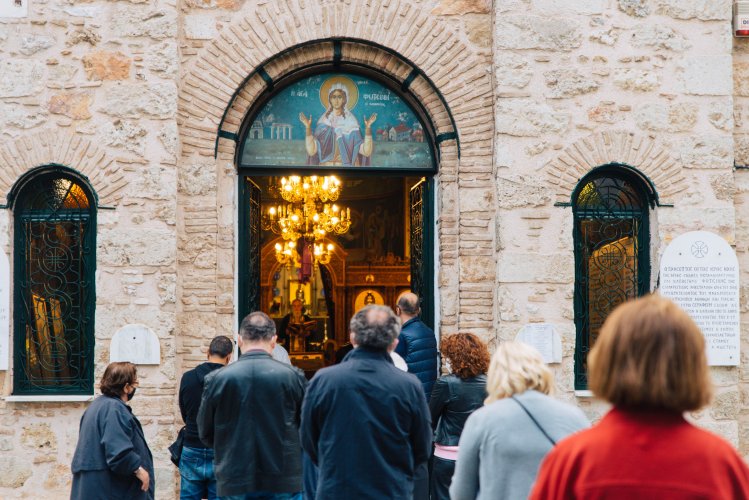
(544, 338)
(4, 310)
(137, 344)
(700, 273)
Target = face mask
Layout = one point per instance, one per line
(130, 396)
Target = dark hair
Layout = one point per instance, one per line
(257, 326)
(116, 376)
(409, 304)
(650, 355)
(468, 356)
(221, 346)
(375, 327)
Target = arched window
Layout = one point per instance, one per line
(612, 258)
(54, 296)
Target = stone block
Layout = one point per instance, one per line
(568, 83)
(31, 43)
(460, 7)
(741, 149)
(16, 471)
(143, 247)
(741, 79)
(73, 105)
(83, 35)
(516, 191)
(475, 268)
(133, 100)
(725, 405)
(144, 21)
(704, 10)
(479, 29)
(13, 115)
(200, 26)
(720, 114)
(128, 135)
(20, 77)
(536, 268)
(512, 70)
(58, 478)
(585, 7)
(640, 80)
(528, 118)
(706, 151)
(154, 183)
(523, 31)
(62, 72)
(106, 65)
(163, 58)
(635, 8)
(605, 113)
(658, 36)
(708, 75)
(39, 437)
(723, 186)
(197, 176)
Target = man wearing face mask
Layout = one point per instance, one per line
(112, 460)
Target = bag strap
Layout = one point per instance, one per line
(553, 443)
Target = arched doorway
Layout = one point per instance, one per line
(369, 241)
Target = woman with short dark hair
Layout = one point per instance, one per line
(649, 362)
(454, 397)
(112, 460)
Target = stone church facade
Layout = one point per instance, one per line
(144, 99)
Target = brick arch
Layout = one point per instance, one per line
(61, 148)
(622, 147)
(254, 40)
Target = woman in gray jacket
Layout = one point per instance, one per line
(504, 442)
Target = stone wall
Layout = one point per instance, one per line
(133, 93)
(93, 86)
(587, 83)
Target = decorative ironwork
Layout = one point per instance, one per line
(416, 202)
(253, 239)
(54, 293)
(611, 255)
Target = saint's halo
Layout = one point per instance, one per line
(353, 91)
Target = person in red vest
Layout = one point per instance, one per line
(649, 362)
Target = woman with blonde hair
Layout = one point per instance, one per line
(504, 442)
(649, 362)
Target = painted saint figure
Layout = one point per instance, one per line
(337, 139)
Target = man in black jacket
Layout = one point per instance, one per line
(365, 423)
(197, 479)
(250, 417)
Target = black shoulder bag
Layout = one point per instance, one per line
(553, 443)
(175, 449)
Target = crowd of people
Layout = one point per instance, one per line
(489, 428)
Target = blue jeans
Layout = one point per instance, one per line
(265, 495)
(197, 480)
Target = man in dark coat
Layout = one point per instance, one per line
(365, 423)
(197, 479)
(417, 344)
(112, 460)
(249, 415)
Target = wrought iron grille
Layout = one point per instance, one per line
(611, 239)
(252, 299)
(416, 201)
(55, 241)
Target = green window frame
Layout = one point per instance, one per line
(611, 235)
(54, 295)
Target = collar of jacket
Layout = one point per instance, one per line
(366, 353)
(412, 320)
(255, 353)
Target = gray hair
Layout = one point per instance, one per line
(409, 304)
(257, 327)
(375, 327)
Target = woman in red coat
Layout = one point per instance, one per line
(649, 362)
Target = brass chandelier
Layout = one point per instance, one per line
(308, 214)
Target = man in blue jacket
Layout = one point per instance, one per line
(416, 343)
(365, 423)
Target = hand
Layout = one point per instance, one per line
(144, 478)
(307, 122)
(368, 122)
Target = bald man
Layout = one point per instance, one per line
(416, 343)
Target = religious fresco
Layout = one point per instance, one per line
(334, 119)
